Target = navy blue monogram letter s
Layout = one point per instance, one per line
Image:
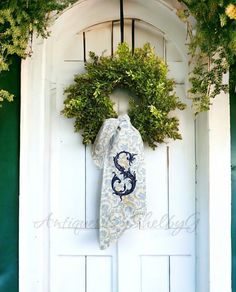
(124, 185)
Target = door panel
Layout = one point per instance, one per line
(156, 278)
(184, 280)
(99, 273)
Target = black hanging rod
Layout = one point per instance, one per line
(121, 21)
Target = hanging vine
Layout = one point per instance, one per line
(212, 46)
(18, 21)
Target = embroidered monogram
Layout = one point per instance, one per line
(123, 160)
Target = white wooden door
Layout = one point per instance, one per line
(158, 256)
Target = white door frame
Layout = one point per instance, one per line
(213, 241)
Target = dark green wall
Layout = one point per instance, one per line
(9, 177)
(233, 155)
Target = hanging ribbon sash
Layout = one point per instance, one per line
(118, 150)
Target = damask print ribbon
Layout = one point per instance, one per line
(118, 150)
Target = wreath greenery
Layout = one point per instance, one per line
(144, 74)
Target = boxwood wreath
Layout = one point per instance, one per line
(142, 73)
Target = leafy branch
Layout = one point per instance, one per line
(18, 21)
(212, 47)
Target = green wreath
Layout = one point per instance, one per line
(144, 75)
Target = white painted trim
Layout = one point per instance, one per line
(214, 193)
(33, 242)
(220, 195)
(202, 202)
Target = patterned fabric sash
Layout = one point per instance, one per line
(118, 150)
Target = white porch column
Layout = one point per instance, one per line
(214, 193)
(220, 195)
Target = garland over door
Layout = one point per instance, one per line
(160, 254)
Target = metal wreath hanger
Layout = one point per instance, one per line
(121, 21)
(122, 25)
